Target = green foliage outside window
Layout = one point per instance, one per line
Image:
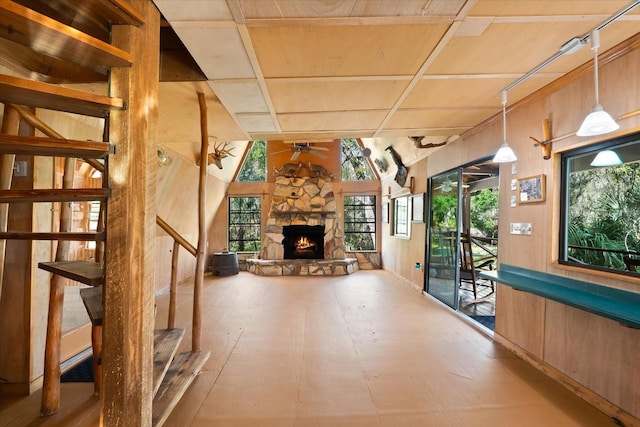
(354, 165)
(244, 224)
(360, 223)
(484, 212)
(602, 206)
(254, 168)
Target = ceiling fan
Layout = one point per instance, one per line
(305, 147)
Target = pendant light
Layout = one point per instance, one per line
(505, 154)
(598, 122)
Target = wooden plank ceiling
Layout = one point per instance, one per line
(317, 69)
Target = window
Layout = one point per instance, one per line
(355, 166)
(360, 223)
(401, 217)
(600, 205)
(244, 224)
(254, 168)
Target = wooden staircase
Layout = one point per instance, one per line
(44, 35)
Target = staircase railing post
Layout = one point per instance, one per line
(171, 322)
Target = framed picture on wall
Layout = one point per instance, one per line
(417, 208)
(531, 189)
(385, 213)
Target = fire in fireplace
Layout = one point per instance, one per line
(303, 241)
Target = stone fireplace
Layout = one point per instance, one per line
(303, 199)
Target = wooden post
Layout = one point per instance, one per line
(51, 384)
(171, 322)
(196, 333)
(129, 288)
(10, 124)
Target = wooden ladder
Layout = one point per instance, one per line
(172, 373)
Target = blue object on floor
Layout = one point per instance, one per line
(81, 373)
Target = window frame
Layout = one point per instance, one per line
(563, 240)
(250, 224)
(373, 222)
(407, 217)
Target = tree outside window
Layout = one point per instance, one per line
(354, 165)
(244, 224)
(360, 223)
(254, 168)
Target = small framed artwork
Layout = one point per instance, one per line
(417, 208)
(385, 213)
(531, 189)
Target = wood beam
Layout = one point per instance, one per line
(129, 288)
(10, 124)
(196, 333)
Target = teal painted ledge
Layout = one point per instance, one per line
(617, 304)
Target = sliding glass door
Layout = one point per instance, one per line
(444, 236)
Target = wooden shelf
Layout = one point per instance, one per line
(38, 146)
(92, 299)
(53, 97)
(87, 272)
(71, 236)
(50, 37)
(54, 195)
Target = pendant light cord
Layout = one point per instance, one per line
(595, 44)
(504, 115)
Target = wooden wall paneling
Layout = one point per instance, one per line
(574, 346)
(128, 323)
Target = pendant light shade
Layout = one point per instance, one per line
(598, 122)
(505, 154)
(606, 158)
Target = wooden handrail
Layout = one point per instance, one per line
(177, 237)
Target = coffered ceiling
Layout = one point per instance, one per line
(321, 69)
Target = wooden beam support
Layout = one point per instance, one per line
(129, 288)
(10, 124)
(173, 287)
(51, 384)
(196, 333)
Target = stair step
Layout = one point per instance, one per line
(87, 272)
(92, 299)
(54, 195)
(38, 146)
(73, 236)
(59, 40)
(185, 367)
(165, 346)
(20, 91)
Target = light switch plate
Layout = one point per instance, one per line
(20, 168)
(522, 228)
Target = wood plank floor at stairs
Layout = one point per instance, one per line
(39, 146)
(184, 368)
(165, 346)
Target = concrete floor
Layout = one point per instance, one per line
(358, 350)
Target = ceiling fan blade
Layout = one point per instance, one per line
(315, 147)
(278, 152)
(318, 154)
(295, 155)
